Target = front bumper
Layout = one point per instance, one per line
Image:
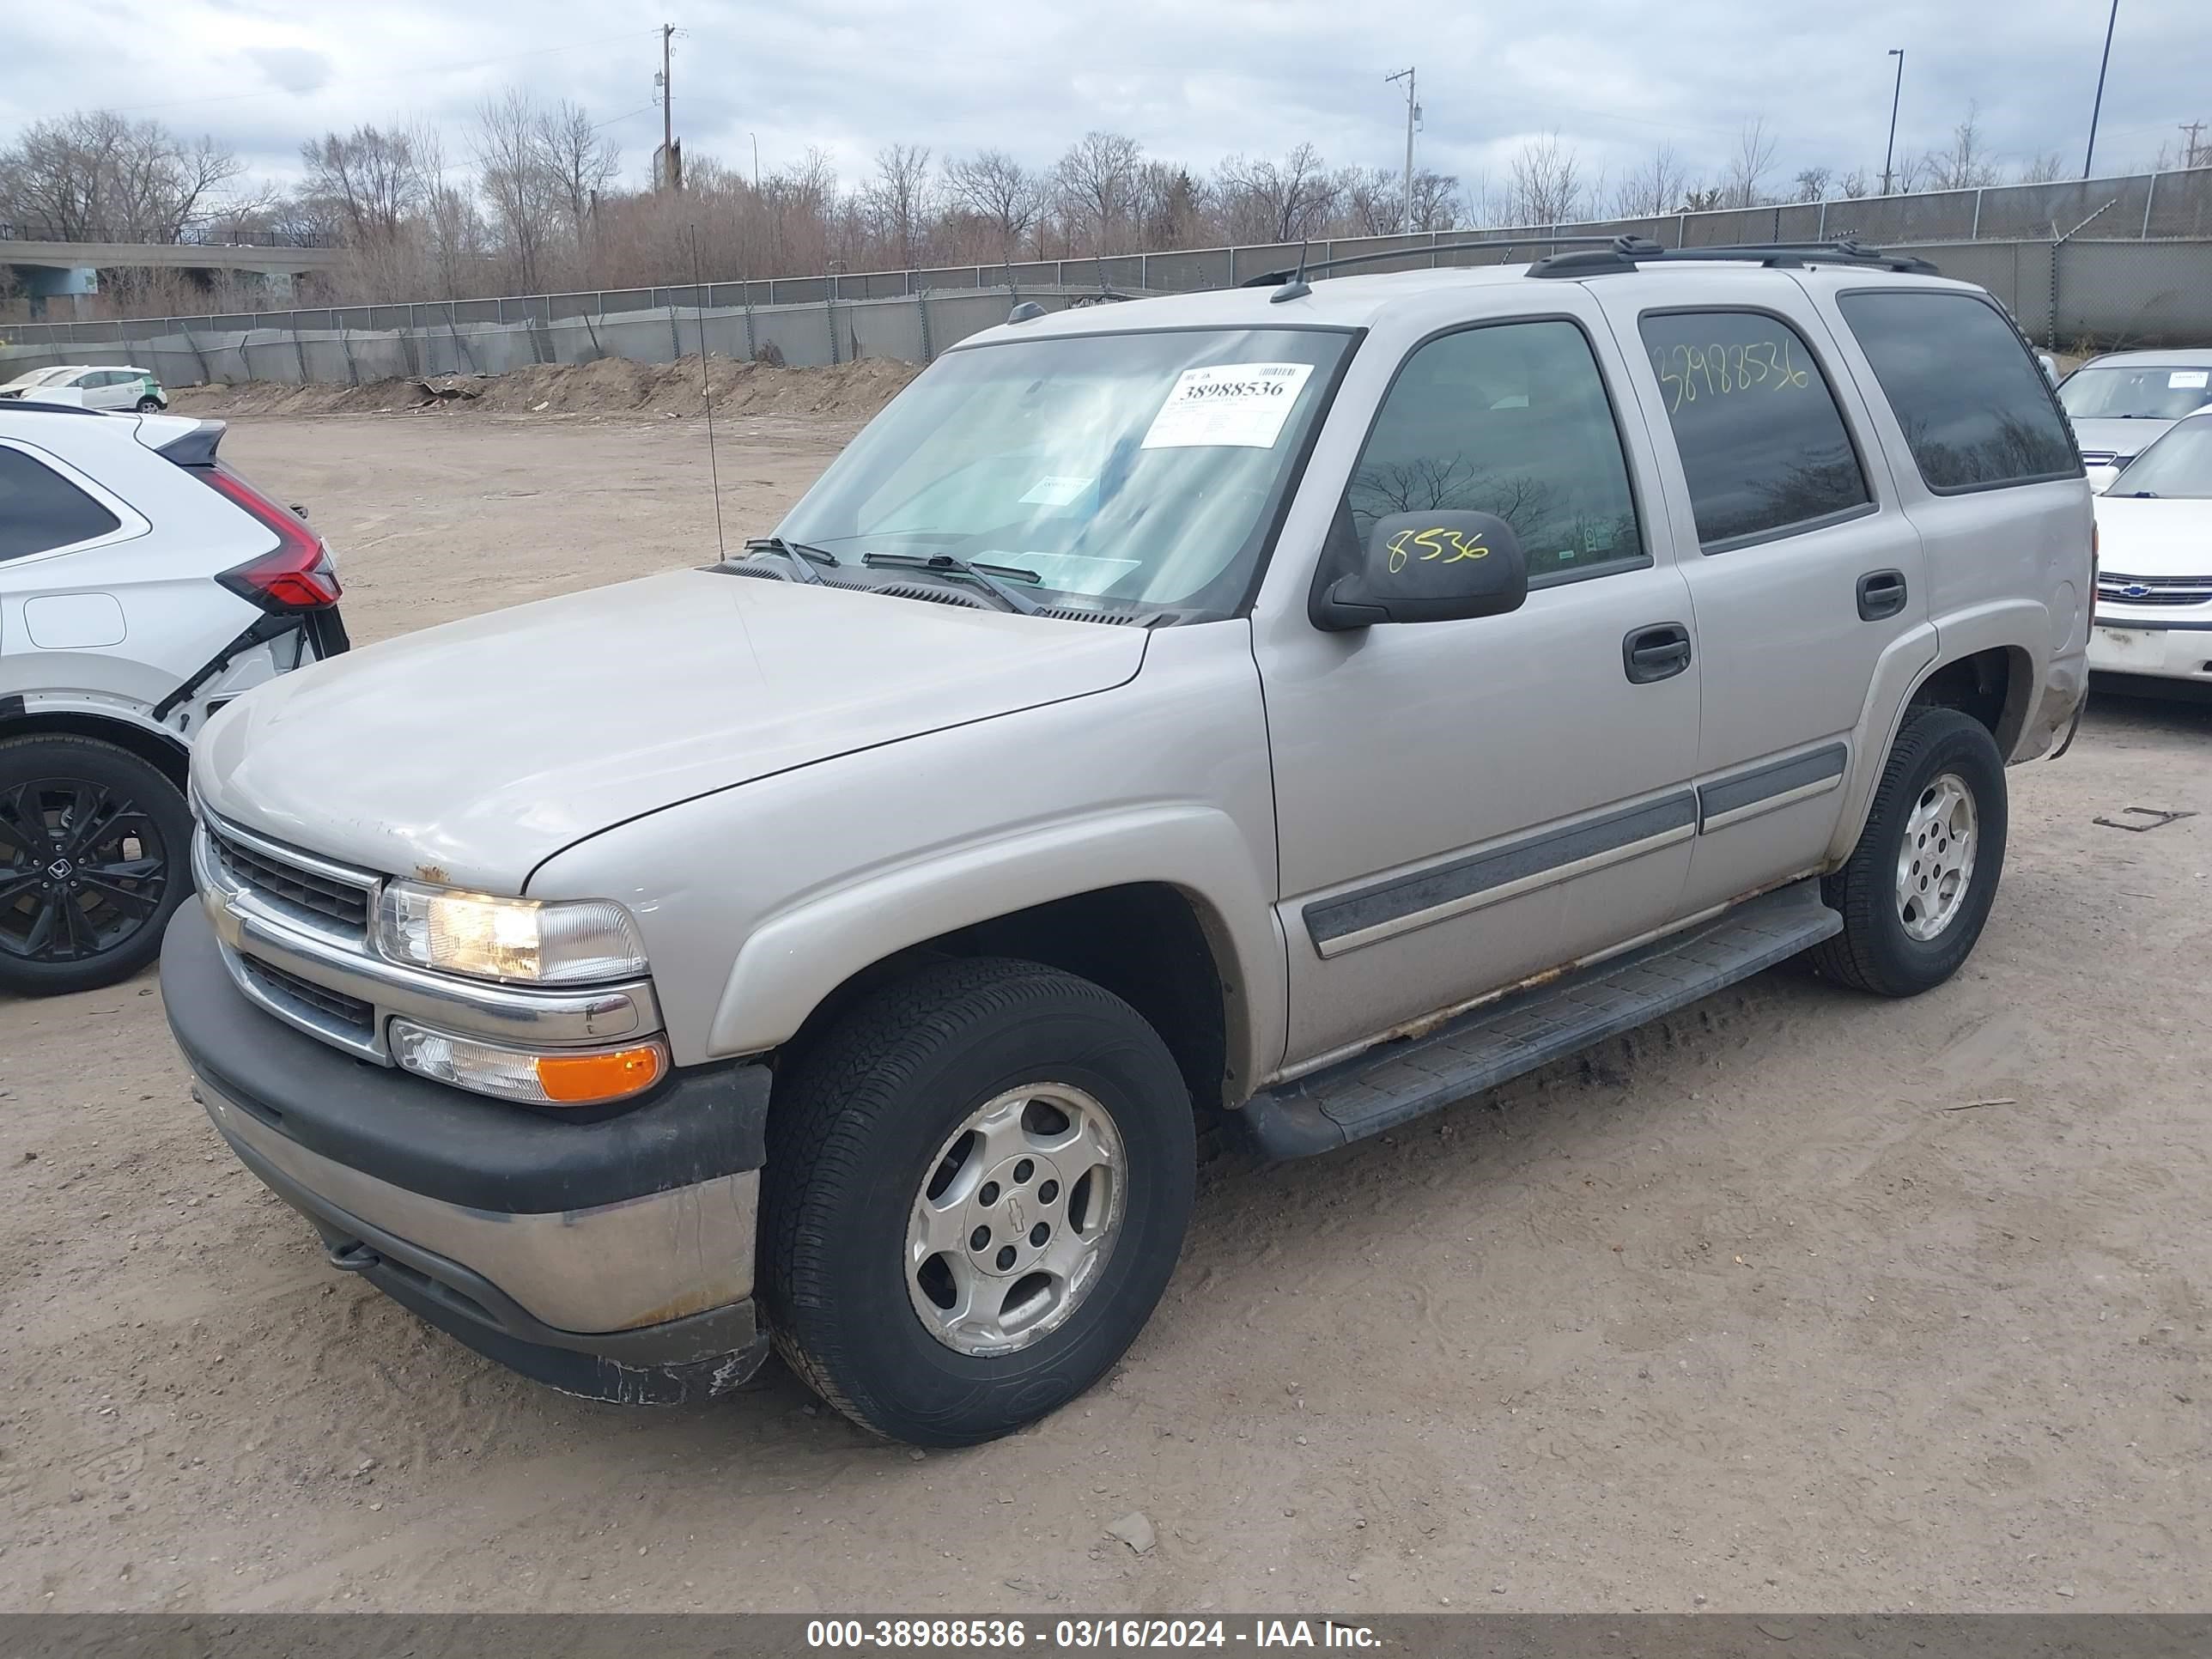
(2159, 649)
(611, 1258)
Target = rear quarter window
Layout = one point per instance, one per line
(40, 510)
(1977, 411)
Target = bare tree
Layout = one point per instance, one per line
(1813, 184)
(2043, 169)
(94, 174)
(1097, 181)
(1437, 200)
(1743, 185)
(1655, 187)
(580, 161)
(1967, 164)
(1856, 184)
(897, 200)
(1270, 201)
(1001, 193)
(368, 178)
(516, 185)
(1544, 184)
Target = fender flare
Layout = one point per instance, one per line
(796, 958)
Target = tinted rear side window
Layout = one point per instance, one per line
(1976, 412)
(1763, 445)
(40, 510)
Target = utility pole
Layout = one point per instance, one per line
(1413, 114)
(2190, 157)
(1896, 93)
(2097, 108)
(671, 168)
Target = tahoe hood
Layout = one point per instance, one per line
(471, 752)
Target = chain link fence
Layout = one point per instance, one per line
(2105, 263)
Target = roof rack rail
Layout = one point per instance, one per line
(1623, 253)
(1277, 278)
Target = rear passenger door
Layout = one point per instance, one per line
(1805, 576)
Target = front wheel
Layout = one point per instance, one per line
(977, 1187)
(95, 856)
(1918, 887)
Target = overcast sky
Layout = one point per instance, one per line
(1193, 80)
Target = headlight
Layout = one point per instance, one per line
(565, 942)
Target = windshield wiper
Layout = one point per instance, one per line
(803, 558)
(2143, 495)
(984, 575)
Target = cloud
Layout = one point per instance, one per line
(295, 69)
(1191, 82)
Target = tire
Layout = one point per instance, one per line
(128, 863)
(1880, 950)
(865, 1133)
(151, 405)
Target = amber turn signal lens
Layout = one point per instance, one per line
(588, 1080)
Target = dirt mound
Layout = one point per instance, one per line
(611, 386)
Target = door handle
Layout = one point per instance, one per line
(1657, 653)
(1881, 593)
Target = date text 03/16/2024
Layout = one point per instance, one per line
(1083, 1634)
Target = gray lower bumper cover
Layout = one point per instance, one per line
(644, 1296)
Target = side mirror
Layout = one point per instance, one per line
(2049, 366)
(1428, 566)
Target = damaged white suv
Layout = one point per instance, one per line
(1298, 707)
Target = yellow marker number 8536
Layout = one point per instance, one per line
(1426, 545)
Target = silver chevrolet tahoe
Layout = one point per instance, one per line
(1289, 709)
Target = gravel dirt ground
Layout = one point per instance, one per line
(1800, 1301)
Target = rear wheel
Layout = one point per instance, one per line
(977, 1189)
(151, 405)
(1918, 886)
(93, 857)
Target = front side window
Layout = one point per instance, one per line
(1142, 470)
(40, 510)
(1511, 419)
(2163, 392)
(1763, 445)
(1975, 407)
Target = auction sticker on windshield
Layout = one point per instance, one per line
(1240, 405)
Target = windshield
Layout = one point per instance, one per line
(1141, 469)
(2136, 392)
(41, 377)
(2178, 463)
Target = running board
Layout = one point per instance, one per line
(1396, 1081)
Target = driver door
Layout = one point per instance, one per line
(1462, 804)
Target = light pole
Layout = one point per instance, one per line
(755, 136)
(1896, 93)
(2097, 108)
(1413, 114)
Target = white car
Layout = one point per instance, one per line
(2154, 575)
(2122, 402)
(90, 386)
(142, 586)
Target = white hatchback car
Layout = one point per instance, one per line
(90, 386)
(2154, 576)
(142, 586)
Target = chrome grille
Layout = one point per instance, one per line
(275, 981)
(289, 886)
(2154, 590)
